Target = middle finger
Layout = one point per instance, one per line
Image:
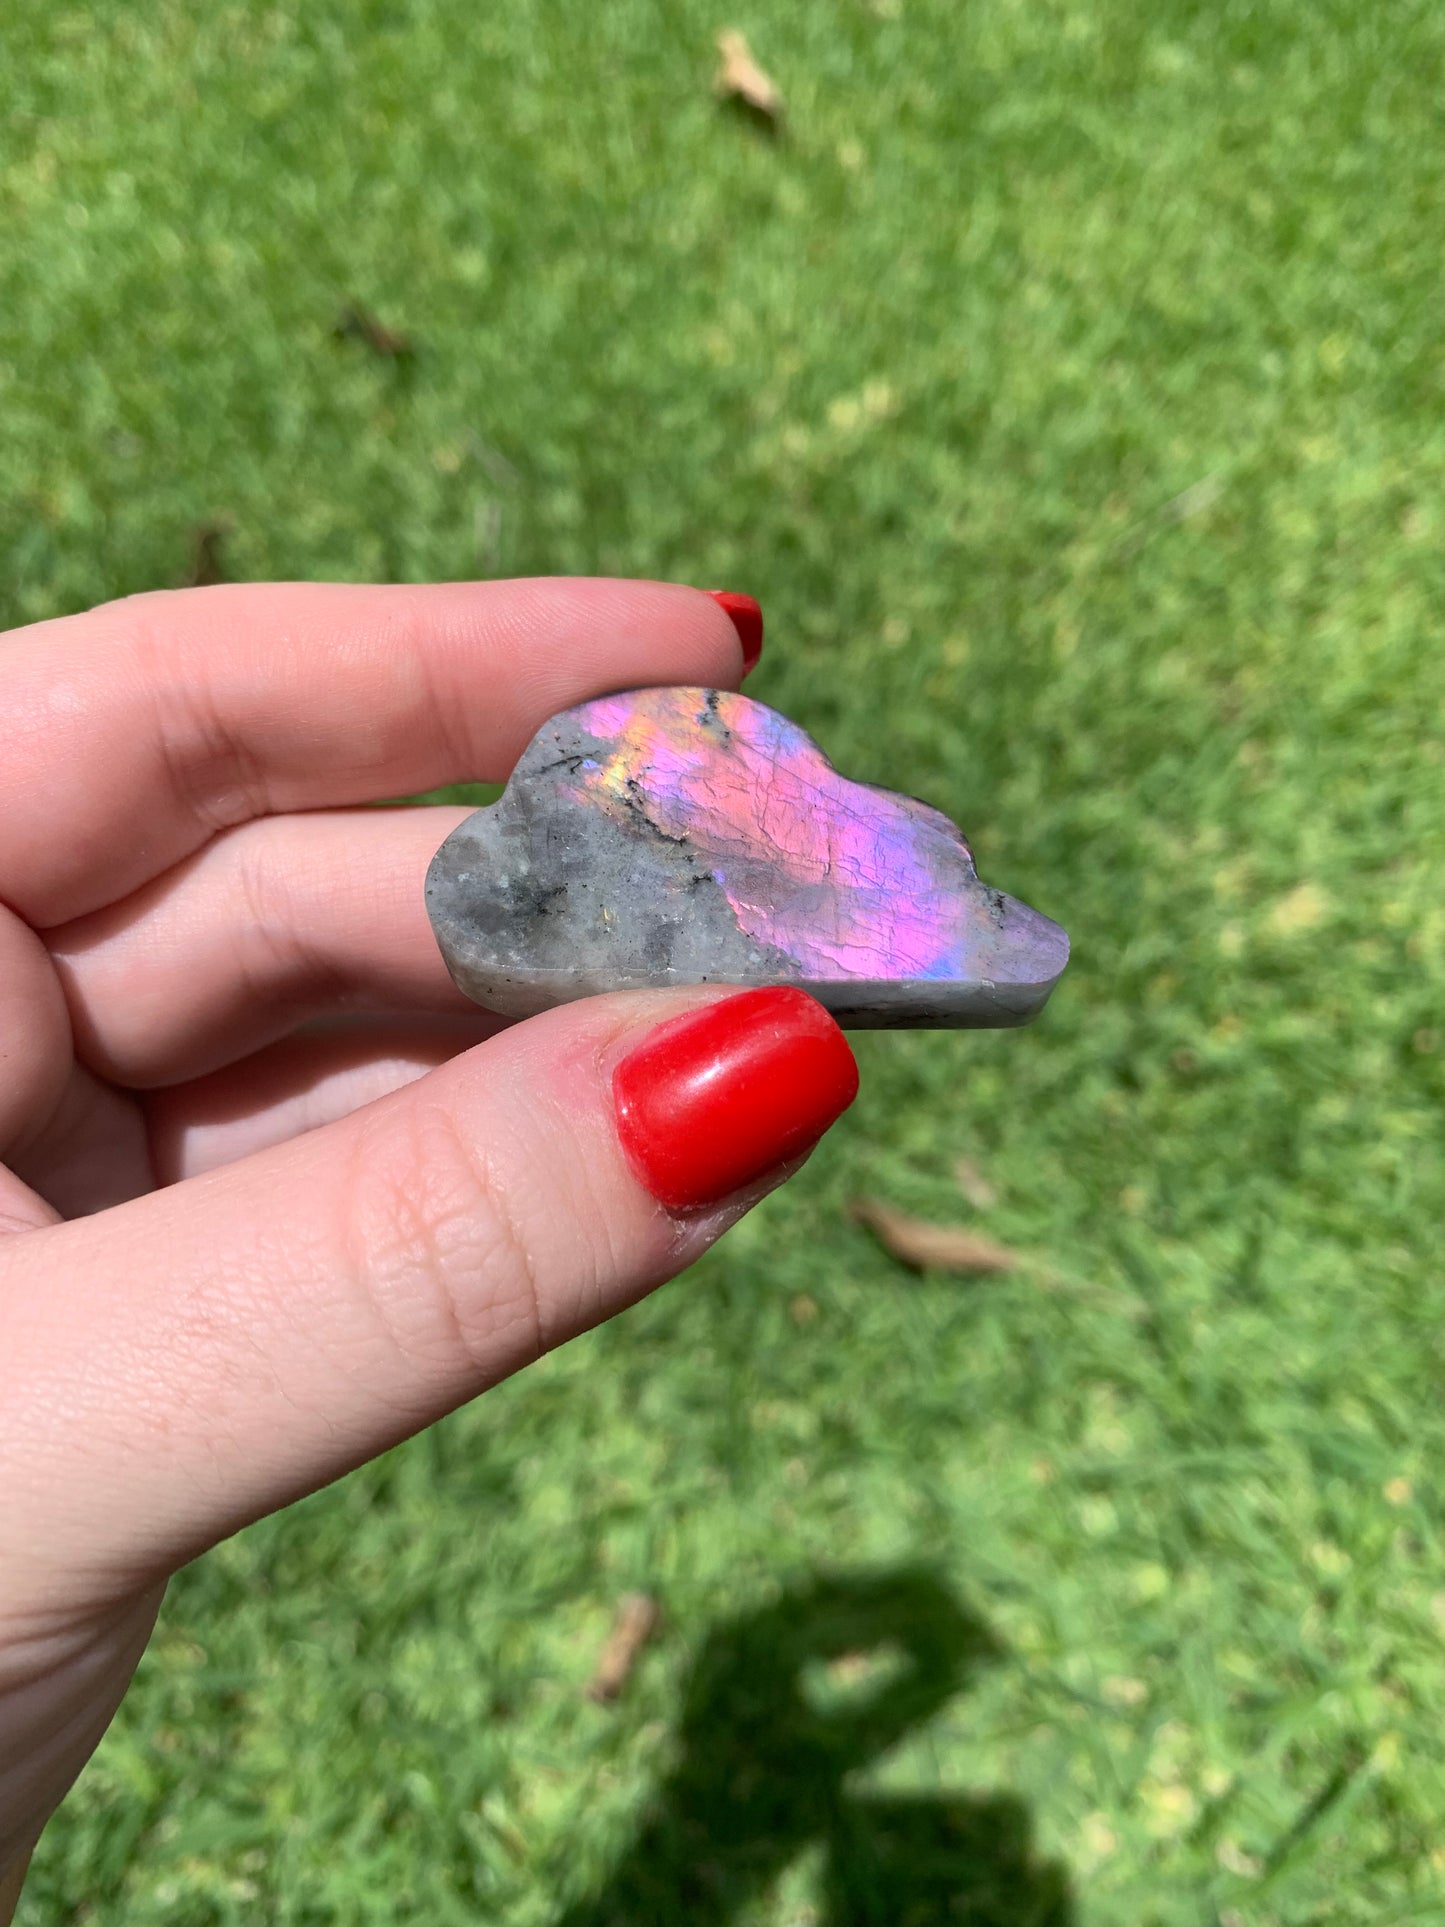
(322, 1073)
(283, 920)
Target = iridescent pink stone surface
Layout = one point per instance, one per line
(686, 836)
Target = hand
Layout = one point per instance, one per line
(273, 1194)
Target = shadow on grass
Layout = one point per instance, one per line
(783, 1707)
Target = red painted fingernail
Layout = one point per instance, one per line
(747, 619)
(719, 1097)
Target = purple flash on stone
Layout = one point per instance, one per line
(685, 836)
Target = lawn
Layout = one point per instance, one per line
(1067, 382)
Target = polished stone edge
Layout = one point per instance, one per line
(855, 1003)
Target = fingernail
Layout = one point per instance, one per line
(717, 1098)
(747, 619)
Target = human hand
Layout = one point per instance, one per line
(273, 1194)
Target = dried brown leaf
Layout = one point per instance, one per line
(739, 77)
(207, 565)
(356, 323)
(637, 1619)
(932, 1247)
(974, 1185)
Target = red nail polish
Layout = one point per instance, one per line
(747, 619)
(719, 1097)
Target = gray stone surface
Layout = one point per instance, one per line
(671, 837)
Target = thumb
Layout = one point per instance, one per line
(179, 1365)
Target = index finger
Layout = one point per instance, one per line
(135, 732)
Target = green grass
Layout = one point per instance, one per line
(1068, 385)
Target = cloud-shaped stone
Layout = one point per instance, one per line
(690, 836)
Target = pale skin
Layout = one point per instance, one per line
(273, 1195)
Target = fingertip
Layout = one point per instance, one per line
(745, 613)
(716, 1101)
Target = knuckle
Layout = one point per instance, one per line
(439, 1245)
(211, 772)
(280, 952)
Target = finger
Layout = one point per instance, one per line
(297, 1086)
(44, 1095)
(267, 927)
(135, 732)
(178, 1365)
(35, 1052)
(92, 1151)
(102, 1147)
(22, 1209)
